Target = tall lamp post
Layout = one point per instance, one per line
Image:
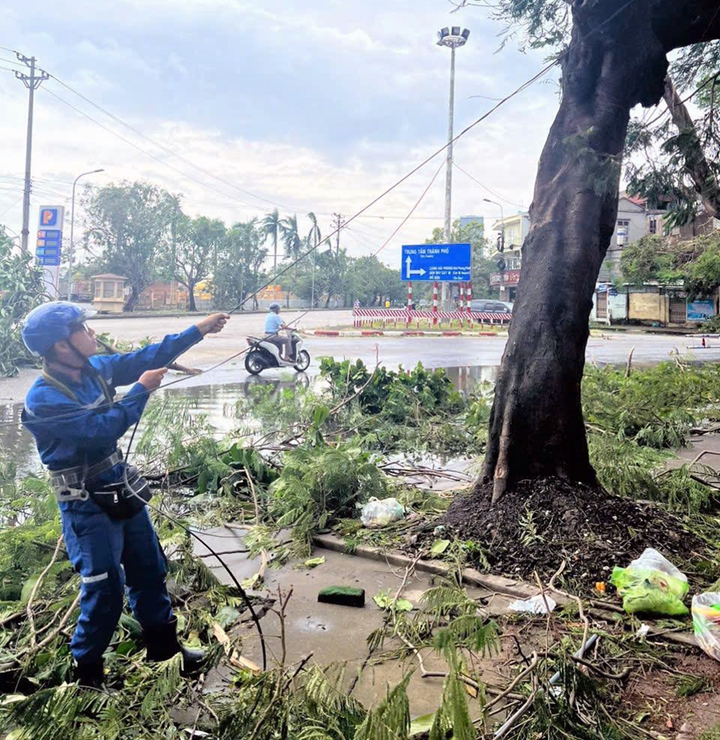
(502, 222)
(71, 253)
(453, 37)
(501, 246)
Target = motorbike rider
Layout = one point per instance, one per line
(72, 413)
(273, 325)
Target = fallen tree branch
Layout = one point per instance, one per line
(35, 588)
(612, 676)
(533, 662)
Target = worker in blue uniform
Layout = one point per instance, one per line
(72, 413)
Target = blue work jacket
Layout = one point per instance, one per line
(85, 431)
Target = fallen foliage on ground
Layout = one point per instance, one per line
(304, 460)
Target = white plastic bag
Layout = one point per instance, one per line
(378, 513)
(534, 605)
(651, 559)
(706, 622)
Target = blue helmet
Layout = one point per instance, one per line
(51, 323)
(273, 306)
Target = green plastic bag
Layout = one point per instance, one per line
(651, 584)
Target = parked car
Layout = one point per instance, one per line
(483, 305)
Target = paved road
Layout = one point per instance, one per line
(473, 357)
(467, 359)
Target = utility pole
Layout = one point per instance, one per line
(338, 224)
(31, 82)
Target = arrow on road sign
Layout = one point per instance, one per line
(410, 272)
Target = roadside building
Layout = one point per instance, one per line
(507, 254)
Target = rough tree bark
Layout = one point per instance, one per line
(616, 59)
(696, 164)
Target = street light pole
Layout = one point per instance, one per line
(453, 38)
(501, 248)
(502, 221)
(71, 252)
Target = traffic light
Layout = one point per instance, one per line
(501, 242)
(501, 264)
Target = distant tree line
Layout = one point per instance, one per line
(140, 231)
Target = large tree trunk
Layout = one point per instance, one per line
(536, 425)
(696, 164)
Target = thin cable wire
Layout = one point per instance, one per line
(417, 203)
(10, 207)
(418, 167)
(139, 148)
(282, 272)
(171, 518)
(167, 150)
(485, 187)
(684, 100)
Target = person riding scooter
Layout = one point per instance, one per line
(72, 413)
(273, 325)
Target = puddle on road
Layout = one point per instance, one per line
(216, 402)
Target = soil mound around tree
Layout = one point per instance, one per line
(540, 523)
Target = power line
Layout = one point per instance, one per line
(169, 151)
(11, 61)
(416, 218)
(357, 215)
(11, 206)
(139, 148)
(485, 187)
(417, 203)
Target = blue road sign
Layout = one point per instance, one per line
(442, 263)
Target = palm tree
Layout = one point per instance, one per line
(292, 241)
(291, 236)
(270, 226)
(314, 238)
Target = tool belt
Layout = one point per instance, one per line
(120, 500)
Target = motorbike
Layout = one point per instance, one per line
(264, 354)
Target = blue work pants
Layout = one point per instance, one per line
(111, 554)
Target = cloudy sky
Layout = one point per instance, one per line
(307, 105)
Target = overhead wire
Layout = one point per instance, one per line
(538, 75)
(417, 203)
(485, 187)
(135, 146)
(11, 206)
(168, 150)
(684, 100)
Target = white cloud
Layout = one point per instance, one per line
(371, 69)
